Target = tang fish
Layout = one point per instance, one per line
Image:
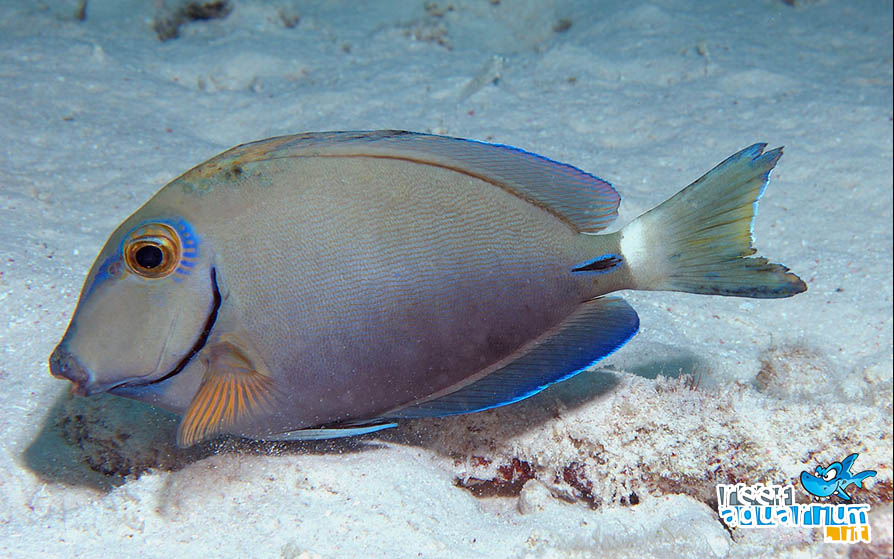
(329, 284)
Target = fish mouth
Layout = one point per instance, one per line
(64, 365)
(196, 347)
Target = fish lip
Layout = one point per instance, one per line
(200, 342)
(63, 365)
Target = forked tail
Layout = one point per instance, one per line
(699, 241)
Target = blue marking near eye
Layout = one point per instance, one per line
(601, 265)
(190, 250)
(105, 272)
(187, 234)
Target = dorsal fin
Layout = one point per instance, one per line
(847, 463)
(585, 202)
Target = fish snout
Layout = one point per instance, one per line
(66, 366)
(816, 485)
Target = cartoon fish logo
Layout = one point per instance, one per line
(834, 479)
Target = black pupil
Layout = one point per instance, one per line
(149, 256)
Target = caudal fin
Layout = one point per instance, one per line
(699, 241)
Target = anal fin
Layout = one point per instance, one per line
(593, 331)
(329, 432)
(232, 391)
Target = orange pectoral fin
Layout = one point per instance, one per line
(231, 392)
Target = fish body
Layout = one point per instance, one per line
(328, 284)
(835, 478)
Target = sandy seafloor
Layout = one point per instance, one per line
(96, 115)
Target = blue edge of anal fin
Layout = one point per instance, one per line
(322, 433)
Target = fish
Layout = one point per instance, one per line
(835, 478)
(332, 284)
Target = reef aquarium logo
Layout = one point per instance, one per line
(772, 506)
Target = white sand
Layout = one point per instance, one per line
(97, 115)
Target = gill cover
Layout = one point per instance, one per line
(144, 306)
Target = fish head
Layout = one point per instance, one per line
(824, 483)
(145, 309)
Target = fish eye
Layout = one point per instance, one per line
(152, 251)
(830, 474)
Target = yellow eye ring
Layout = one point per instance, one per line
(152, 251)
